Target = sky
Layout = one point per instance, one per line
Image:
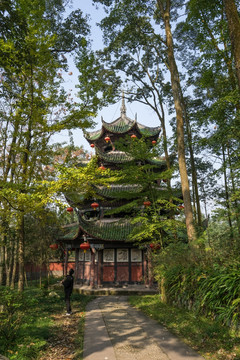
(145, 115)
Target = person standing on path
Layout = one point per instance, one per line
(68, 288)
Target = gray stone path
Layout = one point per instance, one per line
(114, 330)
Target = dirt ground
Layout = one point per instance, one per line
(62, 344)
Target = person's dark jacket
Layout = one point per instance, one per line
(68, 284)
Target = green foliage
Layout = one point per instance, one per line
(192, 279)
(12, 315)
(26, 321)
(147, 172)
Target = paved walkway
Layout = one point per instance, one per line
(114, 330)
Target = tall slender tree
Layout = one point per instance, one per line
(135, 20)
(234, 30)
(33, 105)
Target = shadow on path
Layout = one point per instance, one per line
(114, 330)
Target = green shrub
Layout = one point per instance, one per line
(15, 315)
(192, 280)
(13, 306)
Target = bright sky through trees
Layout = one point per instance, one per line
(144, 114)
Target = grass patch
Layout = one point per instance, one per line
(210, 338)
(28, 321)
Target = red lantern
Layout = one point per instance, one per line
(92, 145)
(102, 168)
(54, 246)
(94, 205)
(107, 139)
(70, 209)
(147, 203)
(155, 246)
(154, 142)
(133, 136)
(85, 246)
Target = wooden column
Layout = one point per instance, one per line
(100, 265)
(92, 270)
(66, 262)
(76, 265)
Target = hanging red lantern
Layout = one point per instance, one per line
(54, 246)
(133, 136)
(69, 209)
(147, 203)
(94, 205)
(85, 246)
(154, 142)
(155, 246)
(107, 139)
(92, 145)
(102, 167)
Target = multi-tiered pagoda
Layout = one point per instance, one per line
(108, 257)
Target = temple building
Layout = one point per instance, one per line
(103, 256)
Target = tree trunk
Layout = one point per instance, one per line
(234, 30)
(194, 202)
(14, 267)
(2, 257)
(150, 268)
(21, 252)
(227, 195)
(192, 161)
(8, 263)
(233, 188)
(175, 82)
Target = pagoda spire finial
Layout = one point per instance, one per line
(123, 107)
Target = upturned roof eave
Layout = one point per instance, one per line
(116, 128)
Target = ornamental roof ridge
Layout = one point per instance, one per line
(121, 125)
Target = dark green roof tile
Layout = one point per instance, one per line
(70, 232)
(119, 126)
(114, 191)
(109, 231)
(115, 157)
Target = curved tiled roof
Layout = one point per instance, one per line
(122, 125)
(70, 232)
(117, 230)
(93, 135)
(117, 157)
(114, 191)
(119, 126)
